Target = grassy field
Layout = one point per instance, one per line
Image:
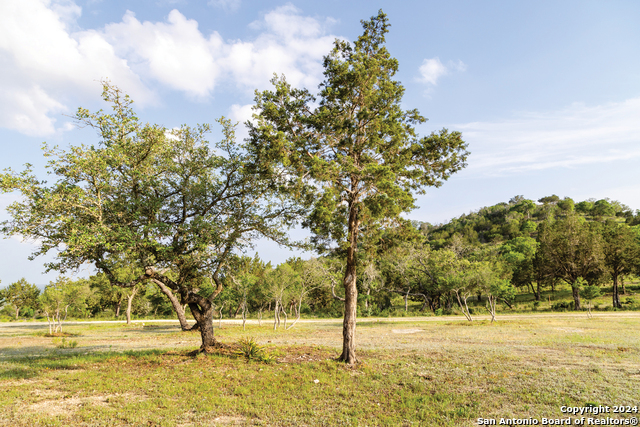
(440, 371)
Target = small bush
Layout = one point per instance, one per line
(251, 350)
(63, 343)
(562, 306)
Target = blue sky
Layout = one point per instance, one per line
(547, 94)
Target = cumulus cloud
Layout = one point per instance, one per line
(45, 62)
(571, 137)
(48, 62)
(241, 114)
(432, 69)
(174, 52)
(288, 43)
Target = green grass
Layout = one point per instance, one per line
(441, 372)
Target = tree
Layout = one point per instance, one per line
(621, 253)
(553, 199)
(58, 297)
(398, 264)
(280, 282)
(354, 157)
(168, 203)
(603, 208)
(499, 289)
(571, 249)
(589, 293)
(566, 205)
(519, 253)
(585, 207)
(21, 294)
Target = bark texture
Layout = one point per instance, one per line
(350, 294)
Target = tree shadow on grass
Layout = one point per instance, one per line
(41, 359)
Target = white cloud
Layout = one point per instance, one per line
(44, 62)
(289, 44)
(174, 53)
(241, 114)
(432, 69)
(49, 63)
(28, 110)
(230, 5)
(568, 138)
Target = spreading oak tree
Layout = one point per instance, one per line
(167, 203)
(351, 154)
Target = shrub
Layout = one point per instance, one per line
(251, 350)
(64, 343)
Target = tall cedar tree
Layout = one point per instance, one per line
(353, 157)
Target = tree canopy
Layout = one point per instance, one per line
(165, 202)
(352, 152)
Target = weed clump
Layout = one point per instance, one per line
(251, 350)
(64, 343)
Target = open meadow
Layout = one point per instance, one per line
(440, 371)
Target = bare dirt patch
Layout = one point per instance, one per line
(67, 406)
(406, 331)
(212, 420)
(305, 354)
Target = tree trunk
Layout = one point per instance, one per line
(117, 309)
(283, 311)
(406, 302)
(576, 297)
(17, 312)
(538, 291)
(176, 305)
(130, 298)
(297, 310)
(464, 308)
(244, 314)
(624, 290)
(276, 316)
(220, 320)
(350, 294)
(492, 307)
(203, 313)
(616, 297)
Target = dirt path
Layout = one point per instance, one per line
(602, 315)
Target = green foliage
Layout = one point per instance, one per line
(566, 205)
(553, 199)
(572, 250)
(591, 292)
(63, 343)
(21, 294)
(352, 154)
(166, 204)
(251, 350)
(357, 151)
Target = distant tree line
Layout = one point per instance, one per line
(534, 247)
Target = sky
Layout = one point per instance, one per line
(546, 93)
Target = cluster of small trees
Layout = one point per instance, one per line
(581, 244)
(81, 298)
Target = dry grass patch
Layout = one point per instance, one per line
(440, 373)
